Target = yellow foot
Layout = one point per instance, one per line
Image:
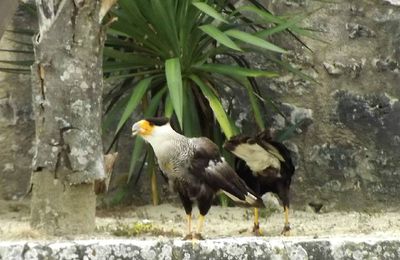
(188, 237)
(286, 230)
(258, 233)
(256, 230)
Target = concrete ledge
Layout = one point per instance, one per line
(225, 248)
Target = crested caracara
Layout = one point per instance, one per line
(266, 166)
(194, 168)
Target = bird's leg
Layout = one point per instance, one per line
(286, 227)
(256, 227)
(200, 224)
(189, 234)
(187, 204)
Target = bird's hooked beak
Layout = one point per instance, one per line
(142, 128)
(136, 128)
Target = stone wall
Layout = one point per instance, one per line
(349, 156)
(16, 118)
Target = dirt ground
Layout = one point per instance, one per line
(168, 220)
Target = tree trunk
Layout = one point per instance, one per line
(67, 90)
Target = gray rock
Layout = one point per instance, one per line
(357, 10)
(334, 69)
(333, 157)
(357, 30)
(271, 202)
(352, 68)
(380, 113)
(294, 115)
(7, 111)
(386, 64)
(392, 2)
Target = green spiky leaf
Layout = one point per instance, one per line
(219, 36)
(210, 11)
(216, 106)
(137, 94)
(254, 40)
(174, 81)
(236, 70)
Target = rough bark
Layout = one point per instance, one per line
(67, 89)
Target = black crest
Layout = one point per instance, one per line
(158, 120)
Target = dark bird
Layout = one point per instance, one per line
(194, 168)
(266, 166)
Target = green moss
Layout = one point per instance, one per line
(139, 228)
(132, 230)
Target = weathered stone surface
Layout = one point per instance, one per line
(393, 2)
(351, 148)
(358, 30)
(7, 9)
(227, 248)
(70, 210)
(379, 112)
(386, 64)
(353, 68)
(16, 125)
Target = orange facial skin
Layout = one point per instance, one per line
(143, 128)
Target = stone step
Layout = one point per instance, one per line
(360, 247)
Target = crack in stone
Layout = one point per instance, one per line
(62, 155)
(41, 73)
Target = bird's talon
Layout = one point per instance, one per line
(286, 230)
(256, 230)
(197, 236)
(258, 233)
(256, 227)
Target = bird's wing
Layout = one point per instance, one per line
(208, 165)
(287, 166)
(257, 153)
(264, 139)
(271, 149)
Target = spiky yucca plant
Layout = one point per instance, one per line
(165, 55)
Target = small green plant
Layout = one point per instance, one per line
(138, 229)
(135, 229)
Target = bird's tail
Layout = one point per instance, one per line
(250, 200)
(222, 176)
(238, 190)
